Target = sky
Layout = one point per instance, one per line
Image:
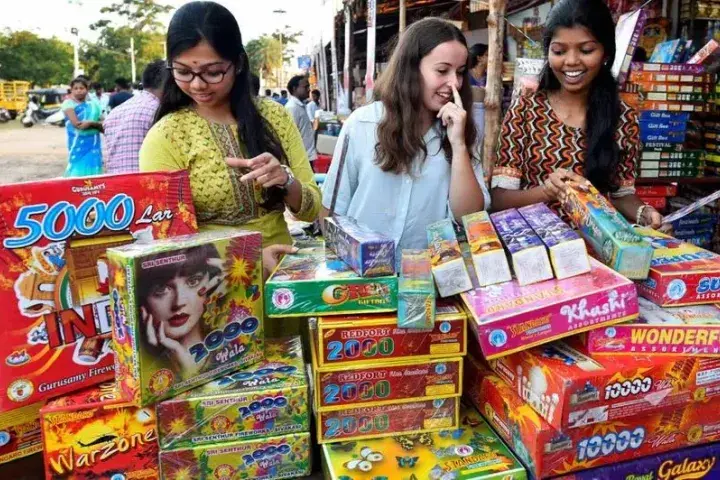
(56, 17)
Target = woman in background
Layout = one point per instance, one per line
(83, 128)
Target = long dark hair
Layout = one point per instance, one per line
(209, 21)
(400, 135)
(603, 109)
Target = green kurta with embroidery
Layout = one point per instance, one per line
(185, 140)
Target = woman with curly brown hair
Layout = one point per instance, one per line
(412, 156)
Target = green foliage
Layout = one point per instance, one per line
(42, 61)
(288, 39)
(267, 53)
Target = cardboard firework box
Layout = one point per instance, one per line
(570, 388)
(568, 254)
(416, 291)
(472, 451)
(681, 273)
(527, 252)
(607, 231)
(186, 310)
(366, 340)
(269, 399)
(339, 386)
(690, 330)
(508, 317)
(696, 463)
(20, 433)
(54, 273)
(488, 255)
(656, 190)
(548, 452)
(271, 458)
(448, 266)
(368, 253)
(314, 281)
(93, 434)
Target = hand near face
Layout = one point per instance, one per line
(179, 356)
(453, 116)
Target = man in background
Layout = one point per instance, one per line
(122, 93)
(313, 105)
(299, 89)
(268, 93)
(283, 97)
(127, 125)
(98, 94)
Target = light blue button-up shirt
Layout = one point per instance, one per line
(398, 205)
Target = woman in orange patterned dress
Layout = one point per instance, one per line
(575, 127)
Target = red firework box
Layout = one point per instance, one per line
(571, 389)
(381, 383)
(548, 452)
(54, 274)
(367, 340)
(656, 190)
(680, 273)
(92, 434)
(20, 433)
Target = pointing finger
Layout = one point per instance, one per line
(456, 96)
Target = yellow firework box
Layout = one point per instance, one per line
(20, 433)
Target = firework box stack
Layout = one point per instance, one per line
(528, 255)
(448, 266)
(20, 433)
(416, 291)
(217, 278)
(655, 195)
(667, 87)
(488, 255)
(472, 451)
(568, 254)
(368, 253)
(314, 281)
(94, 434)
(607, 231)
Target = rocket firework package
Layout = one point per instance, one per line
(369, 253)
(488, 255)
(607, 231)
(416, 291)
(54, 273)
(472, 451)
(691, 330)
(568, 254)
(314, 281)
(20, 433)
(186, 311)
(92, 434)
(448, 267)
(529, 257)
(269, 399)
(569, 388)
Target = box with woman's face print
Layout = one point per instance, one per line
(185, 311)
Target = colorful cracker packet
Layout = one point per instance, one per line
(448, 267)
(369, 253)
(416, 291)
(287, 456)
(509, 317)
(681, 273)
(607, 231)
(528, 254)
(20, 433)
(268, 399)
(93, 434)
(690, 330)
(472, 451)
(314, 281)
(548, 452)
(568, 254)
(488, 255)
(570, 388)
(54, 273)
(186, 311)
(368, 339)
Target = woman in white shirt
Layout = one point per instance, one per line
(413, 156)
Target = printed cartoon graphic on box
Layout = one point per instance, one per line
(188, 310)
(54, 275)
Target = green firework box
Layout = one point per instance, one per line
(269, 399)
(185, 311)
(314, 281)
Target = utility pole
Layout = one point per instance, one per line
(281, 12)
(76, 53)
(403, 16)
(132, 59)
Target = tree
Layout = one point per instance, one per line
(42, 61)
(137, 14)
(287, 39)
(264, 56)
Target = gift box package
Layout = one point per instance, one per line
(368, 253)
(416, 291)
(448, 267)
(488, 256)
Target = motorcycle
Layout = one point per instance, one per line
(36, 115)
(5, 115)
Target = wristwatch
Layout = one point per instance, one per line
(290, 179)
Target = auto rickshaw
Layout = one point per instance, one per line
(13, 97)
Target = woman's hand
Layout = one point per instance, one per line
(555, 186)
(453, 117)
(156, 337)
(265, 169)
(653, 219)
(272, 255)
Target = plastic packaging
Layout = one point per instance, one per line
(368, 253)
(416, 291)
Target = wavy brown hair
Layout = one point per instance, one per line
(399, 88)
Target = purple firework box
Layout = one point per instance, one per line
(528, 254)
(684, 68)
(568, 253)
(368, 253)
(697, 463)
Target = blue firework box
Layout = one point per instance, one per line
(662, 136)
(368, 253)
(660, 115)
(657, 126)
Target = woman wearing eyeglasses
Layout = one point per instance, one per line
(245, 156)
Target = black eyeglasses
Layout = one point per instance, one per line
(185, 75)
